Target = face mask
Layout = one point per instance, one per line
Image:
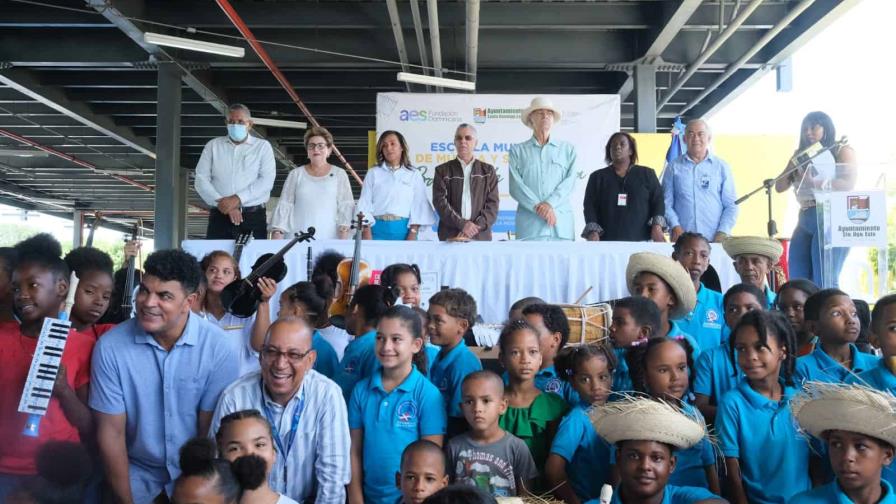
(237, 132)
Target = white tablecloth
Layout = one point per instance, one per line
(495, 273)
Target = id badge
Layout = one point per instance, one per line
(704, 182)
(622, 199)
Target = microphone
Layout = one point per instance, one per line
(606, 494)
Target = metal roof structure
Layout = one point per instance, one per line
(79, 94)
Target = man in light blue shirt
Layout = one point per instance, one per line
(306, 411)
(542, 177)
(156, 379)
(698, 188)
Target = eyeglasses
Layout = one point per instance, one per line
(271, 354)
(316, 146)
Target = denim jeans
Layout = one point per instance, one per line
(805, 257)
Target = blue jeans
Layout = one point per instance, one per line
(806, 257)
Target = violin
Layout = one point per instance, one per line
(241, 297)
(352, 273)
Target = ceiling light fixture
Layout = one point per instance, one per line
(22, 153)
(279, 123)
(436, 81)
(193, 45)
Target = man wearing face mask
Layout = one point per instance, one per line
(234, 177)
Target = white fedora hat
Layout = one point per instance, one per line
(538, 103)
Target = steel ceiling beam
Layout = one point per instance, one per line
(472, 37)
(395, 21)
(432, 13)
(421, 42)
(26, 82)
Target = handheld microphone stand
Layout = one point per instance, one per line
(767, 184)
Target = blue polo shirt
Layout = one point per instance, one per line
(587, 455)
(327, 362)
(160, 393)
(671, 495)
(448, 371)
(358, 362)
(832, 494)
(622, 381)
(677, 333)
(547, 380)
(715, 374)
(762, 435)
(431, 352)
(391, 421)
(706, 319)
(690, 470)
(819, 366)
(770, 297)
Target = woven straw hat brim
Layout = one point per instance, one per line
(644, 419)
(823, 407)
(669, 270)
(738, 245)
(540, 103)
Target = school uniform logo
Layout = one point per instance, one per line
(552, 385)
(351, 365)
(712, 319)
(407, 414)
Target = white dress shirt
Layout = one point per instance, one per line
(246, 169)
(400, 192)
(318, 465)
(466, 198)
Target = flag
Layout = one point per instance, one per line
(677, 146)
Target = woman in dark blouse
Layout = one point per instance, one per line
(624, 201)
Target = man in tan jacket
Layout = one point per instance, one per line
(465, 192)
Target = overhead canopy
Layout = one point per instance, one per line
(82, 81)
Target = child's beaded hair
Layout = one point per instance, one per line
(765, 323)
(553, 317)
(812, 308)
(457, 302)
(414, 325)
(643, 310)
(636, 358)
(744, 288)
(570, 358)
(512, 327)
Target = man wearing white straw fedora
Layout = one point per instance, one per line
(542, 177)
(754, 257)
(647, 433)
(857, 424)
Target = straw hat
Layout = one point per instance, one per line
(637, 418)
(821, 407)
(539, 103)
(669, 270)
(738, 245)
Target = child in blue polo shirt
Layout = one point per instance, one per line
(553, 332)
(715, 372)
(648, 435)
(579, 462)
(664, 281)
(704, 322)
(831, 315)
(391, 409)
(368, 304)
(791, 301)
(451, 313)
(767, 460)
(661, 369)
(856, 423)
(634, 321)
(883, 335)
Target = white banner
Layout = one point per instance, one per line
(858, 218)
(428, 122)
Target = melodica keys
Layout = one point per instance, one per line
(45, 366)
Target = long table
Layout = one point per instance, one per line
(495, 273)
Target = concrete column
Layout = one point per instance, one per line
(645, 98)
(170, 187)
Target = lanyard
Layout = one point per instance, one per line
(275, 427)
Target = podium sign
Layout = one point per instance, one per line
(858, 218)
